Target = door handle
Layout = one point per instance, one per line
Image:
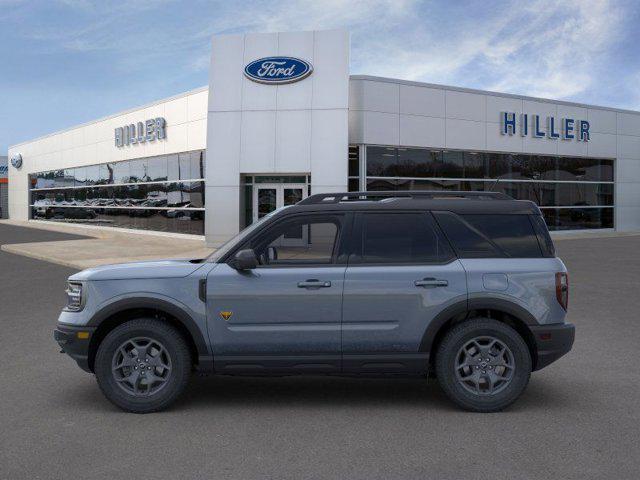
(431, 283)
(313, 283)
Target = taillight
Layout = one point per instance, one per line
(562, 289)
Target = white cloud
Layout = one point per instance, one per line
(540, 48)
(566, 40)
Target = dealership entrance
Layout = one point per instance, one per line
(268, 197)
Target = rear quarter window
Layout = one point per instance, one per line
(544, 239)
(491, 236)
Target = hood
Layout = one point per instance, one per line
(140, 270)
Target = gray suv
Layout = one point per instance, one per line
(464, 286)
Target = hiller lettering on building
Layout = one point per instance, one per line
(147, 131)
(525, 124)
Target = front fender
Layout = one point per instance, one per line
(147, 300)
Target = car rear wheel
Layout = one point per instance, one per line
(483, 365)
(143, 365)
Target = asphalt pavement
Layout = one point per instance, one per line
(578, 419)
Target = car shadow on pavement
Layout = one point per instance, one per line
(317, 391)
(312, 391)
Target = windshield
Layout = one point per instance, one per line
(234, 241)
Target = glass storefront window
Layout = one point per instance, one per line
(475, 165)
(138, 171)
(157, 169)
(452, 165)
(578, 218)
(121, 172)
(574, 183)
(131, 194)
(354, 161)
(105, 174)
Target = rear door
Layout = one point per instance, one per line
(401, 274)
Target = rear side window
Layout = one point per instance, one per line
(513, 234)
(544, 239)
(487, 236)
(468, 242)
(400, 238)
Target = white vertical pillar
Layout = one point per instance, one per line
(255, 128)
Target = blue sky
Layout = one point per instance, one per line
(70, 61)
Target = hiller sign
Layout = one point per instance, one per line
(147, 131)
(525, 124)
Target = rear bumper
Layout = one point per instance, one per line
(77, 348)
(552, 342)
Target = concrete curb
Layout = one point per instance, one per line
(97, 231)
(16, 250)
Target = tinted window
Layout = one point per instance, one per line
(138, 171)
(468, 242)
(578, 218)
(513, 234)
(301, 241)
(120, 172)
(401, 238)
(157, 169)
(354, 161)
(544, 239)
(491, 235)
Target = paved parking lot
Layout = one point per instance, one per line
(579, 418)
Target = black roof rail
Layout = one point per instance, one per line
(322, 198)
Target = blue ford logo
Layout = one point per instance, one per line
(277, 70)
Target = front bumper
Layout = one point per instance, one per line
(552, 342)
(75, 342)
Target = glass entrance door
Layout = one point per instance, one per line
(268, 197)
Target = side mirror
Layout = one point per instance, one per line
(245, 260)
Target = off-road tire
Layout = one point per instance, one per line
(177, 377)
(448, 350)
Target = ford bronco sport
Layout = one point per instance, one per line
(461, 285)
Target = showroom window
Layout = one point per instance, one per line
(572, 192)
(164, 193)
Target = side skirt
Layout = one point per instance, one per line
(414, 364)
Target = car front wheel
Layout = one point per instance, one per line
(483, 365)
(143, 365)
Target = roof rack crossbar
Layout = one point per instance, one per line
(373, 195)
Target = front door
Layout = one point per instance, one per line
(284, 315)
(401, 275)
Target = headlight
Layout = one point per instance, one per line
(74, 297)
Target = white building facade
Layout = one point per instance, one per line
(282, 118)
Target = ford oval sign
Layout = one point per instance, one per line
(16, 160)
(278, 70)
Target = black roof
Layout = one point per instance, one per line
(457, 202)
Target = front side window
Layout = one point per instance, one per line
(304, 240)
(400, 238)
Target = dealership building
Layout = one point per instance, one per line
(282, 118)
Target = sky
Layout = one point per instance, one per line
(66, 62)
